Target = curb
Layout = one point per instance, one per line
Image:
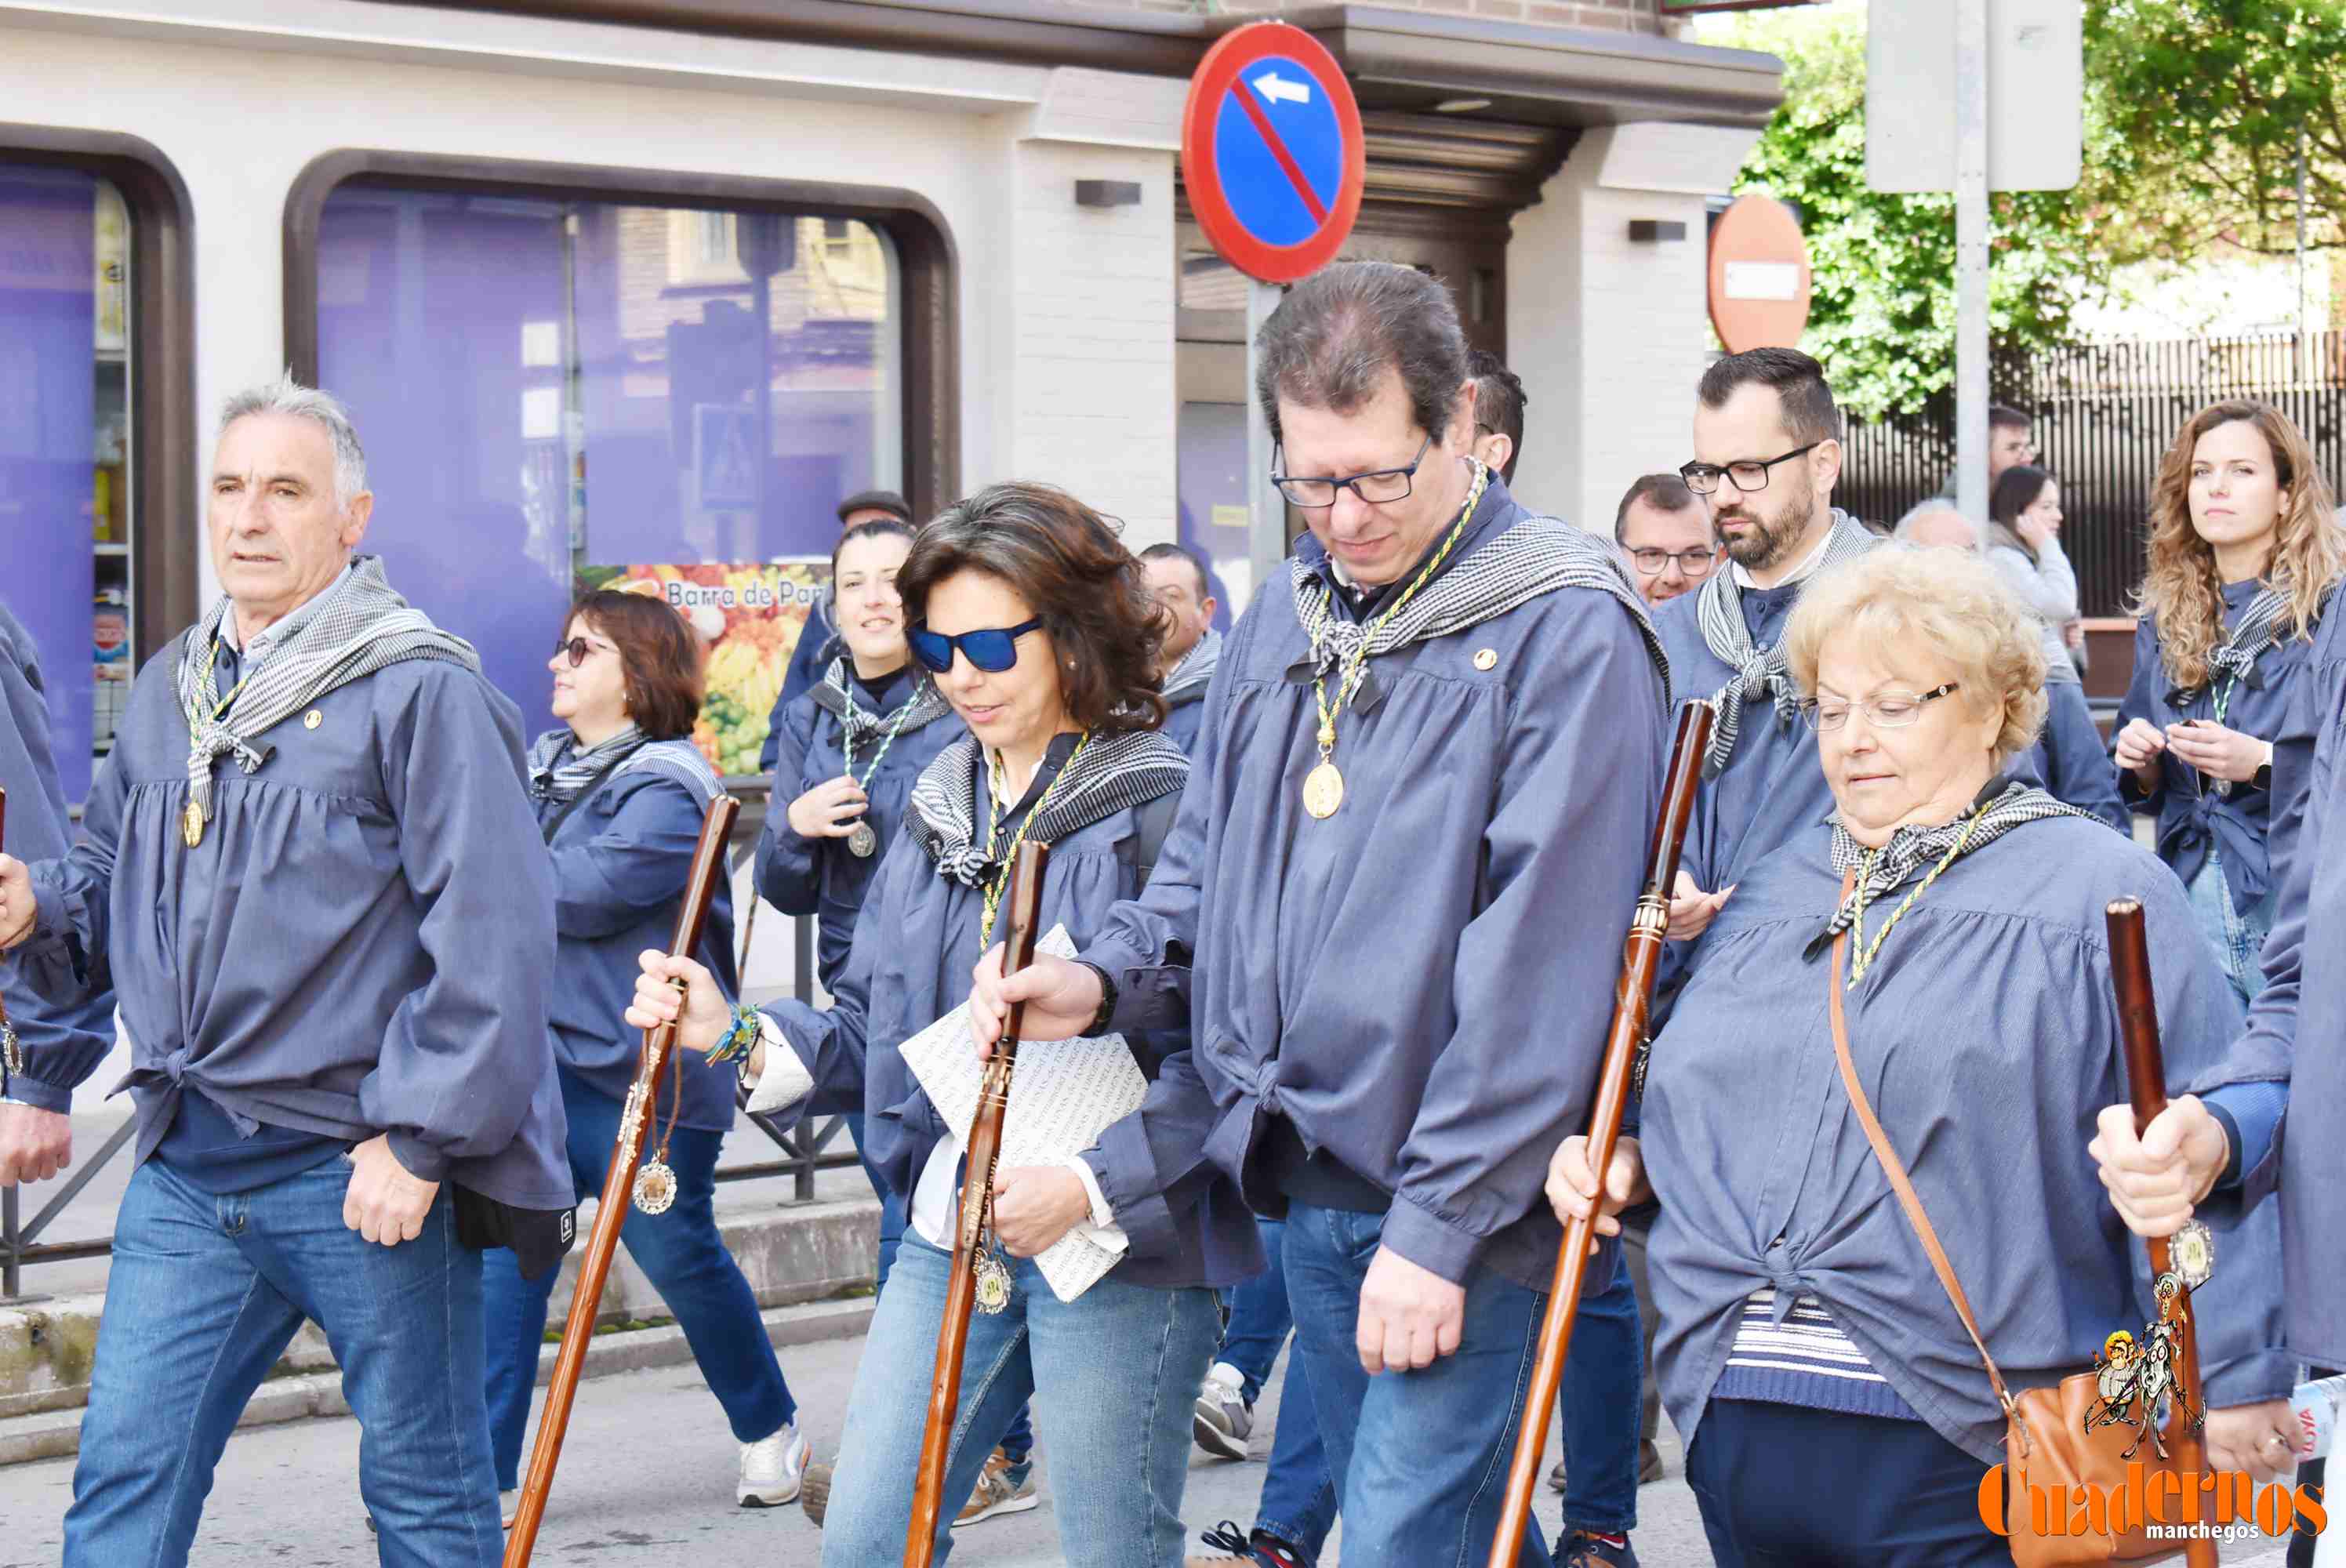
(57, 1434)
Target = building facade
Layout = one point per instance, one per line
(616, 281)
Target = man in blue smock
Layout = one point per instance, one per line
(312, 874)
(56, 1045)
(1391, 907)
(1178, 577)
(1767, 454)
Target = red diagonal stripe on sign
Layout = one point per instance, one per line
(1278, 152)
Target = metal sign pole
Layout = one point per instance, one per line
(1971, 259)
(1266, 508)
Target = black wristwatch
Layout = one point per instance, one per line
(1098, 1025)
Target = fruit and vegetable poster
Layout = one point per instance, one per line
(749, 615)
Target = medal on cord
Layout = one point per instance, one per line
(191, 821)
(1323, 786)
(861, 842)
(993, 1275)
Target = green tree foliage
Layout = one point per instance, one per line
(1883, 308)
(2207, 100)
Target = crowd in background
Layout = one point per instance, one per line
(370, 1093)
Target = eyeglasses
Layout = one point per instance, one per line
(1702, 478)
(1693, 563)
(577, 649)
(992, 650)
(1890, 710)
(1376, 486)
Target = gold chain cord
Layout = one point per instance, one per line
(994, 825)
(1862, 955)
(1357, 665)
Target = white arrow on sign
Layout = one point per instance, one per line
(1275, 87)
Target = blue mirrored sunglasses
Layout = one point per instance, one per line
(992, 650)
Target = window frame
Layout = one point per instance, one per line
(928, 265)
(165, 525)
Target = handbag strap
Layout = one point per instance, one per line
(1893, 1167)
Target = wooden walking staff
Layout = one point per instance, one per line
(611, 1210)
(2145, 1071)
(1640, 957)
(976, 1208)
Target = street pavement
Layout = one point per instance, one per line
(646, 1477)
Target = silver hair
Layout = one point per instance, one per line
(287, 396)
(1929, 506)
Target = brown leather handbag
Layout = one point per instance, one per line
(2045, 1442)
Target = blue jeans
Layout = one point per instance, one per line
(2237, 936)
(1602, 1411)
(686, 1260)
(1018, 1438)
(205, 1294)
(1298, 1500)
(1258, 1322)
(1114, 1372)
(1419, 1458)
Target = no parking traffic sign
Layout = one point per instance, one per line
(1271, 151)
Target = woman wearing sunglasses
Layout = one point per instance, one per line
(847, 752)
(1043, 636)
(620, 796)
(2244, 551)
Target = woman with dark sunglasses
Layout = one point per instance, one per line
(1044, 639)
(620, 794)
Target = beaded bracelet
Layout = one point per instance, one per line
(742, 1038)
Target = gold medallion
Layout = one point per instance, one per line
(191, 824)
(862, 842)
(655, 1187)
(993, 1283)
(1323, 791)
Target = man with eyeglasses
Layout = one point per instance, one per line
(1665, 530)
(1767, 454)
(1409, 845)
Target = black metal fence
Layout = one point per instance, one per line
(805, 1147)
(2105, 413)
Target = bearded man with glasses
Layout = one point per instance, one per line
(1767, 454)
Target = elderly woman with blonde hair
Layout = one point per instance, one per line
(1933, 948)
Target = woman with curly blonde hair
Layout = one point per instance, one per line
(2244, 551)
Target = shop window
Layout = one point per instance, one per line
(550, 389)
(67, 362)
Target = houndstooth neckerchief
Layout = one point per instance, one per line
(1114, 773)
(1530, 556)
(559, 769)
(558, 772)
(2005, 804)
(354, 628)
(2260, 626)
(837, 695)
(1760, 672)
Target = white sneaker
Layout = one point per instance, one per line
(1222, 1419)
(507, 1502)
(772, 1469)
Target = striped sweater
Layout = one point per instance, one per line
(1800, 1357)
